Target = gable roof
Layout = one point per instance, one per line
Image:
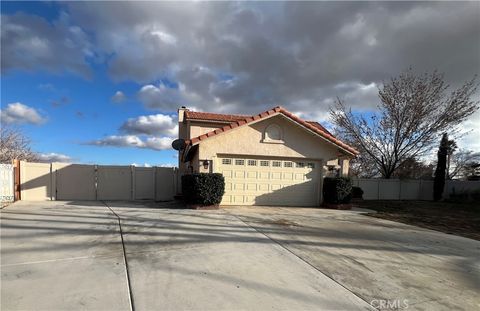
(195, 115)
(244, 120)
(319, 126)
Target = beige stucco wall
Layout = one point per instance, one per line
(247, 140)
(200, 128)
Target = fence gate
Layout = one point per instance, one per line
(7, 192)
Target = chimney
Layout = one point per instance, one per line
(181, 113)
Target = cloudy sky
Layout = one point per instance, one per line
(100, 82)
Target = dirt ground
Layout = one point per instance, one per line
(453, 218)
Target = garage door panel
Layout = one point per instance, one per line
(239, 174)
(238, 199)
(263, 175)
(263, 187)
(238, 186)
(276, 175)
(250, 181)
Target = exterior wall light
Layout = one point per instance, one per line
(205, 164)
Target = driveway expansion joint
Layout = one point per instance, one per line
(305, 261)
(125, 262)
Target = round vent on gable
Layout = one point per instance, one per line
(273, 134)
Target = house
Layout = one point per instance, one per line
(273, 158)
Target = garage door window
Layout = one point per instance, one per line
(227, 161)
(264, 163)
(300, 165)
(239, 162)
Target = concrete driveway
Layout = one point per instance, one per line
(72, 255)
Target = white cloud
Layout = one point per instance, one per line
(18, 113)
(155, 125)
(471, 138)
(158, 143)
(161, 97)
(165, 37)
(168, 165)
(154, 143)
(246, 57)
(54, 157)
(141, 165)
(118, 97)
(30, 42)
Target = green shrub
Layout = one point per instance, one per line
(203, 188)
(337, 190)
(357, 193)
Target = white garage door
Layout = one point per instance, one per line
(251, 181)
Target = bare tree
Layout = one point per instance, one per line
(413, 168)
(14, 145)
(461, 162)
(413, 113)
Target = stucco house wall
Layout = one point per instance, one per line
(247, 140)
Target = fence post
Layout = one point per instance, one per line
(378, 189)
(419, 193)
(155, 183)
(399, 189)
(132, 171)
(16, 178)
(51, 183)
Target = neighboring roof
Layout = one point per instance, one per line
(195, 115)
(318, 129)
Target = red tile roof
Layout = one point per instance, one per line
(243, 120)
(195, 115)
(319, 126)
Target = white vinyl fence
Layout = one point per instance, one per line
(7, 183)
(60, 181)
(396, 189)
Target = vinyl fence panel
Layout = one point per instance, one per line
(395, 189)
(36, 181)
(389, 189)
(166, 183)
(115, 182)
(409, 189)
(7, 191)
(74, 181)
(144, 183)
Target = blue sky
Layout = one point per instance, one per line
(100, 82)
(77, 109)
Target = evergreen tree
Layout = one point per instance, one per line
(440, 172)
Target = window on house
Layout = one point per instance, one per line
(252, 162)
(311, 165)
(273, 133)
(264, 163)
(276, 163)
(287, 164)
(227, 161)
(239, 162)
(299, 164)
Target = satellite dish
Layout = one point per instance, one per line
(178, 144)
